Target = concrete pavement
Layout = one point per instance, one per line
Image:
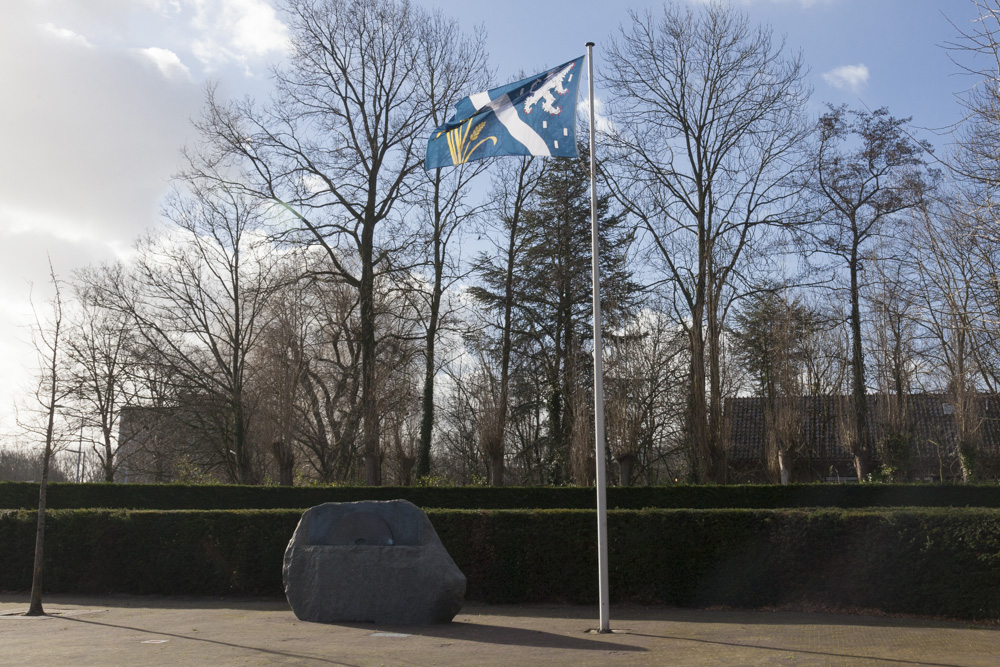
(135, 630)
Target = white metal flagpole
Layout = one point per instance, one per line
(602, 496)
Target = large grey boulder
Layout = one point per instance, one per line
(370, 561)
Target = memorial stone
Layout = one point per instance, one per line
(370, 561)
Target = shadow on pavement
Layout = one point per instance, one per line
(257, 649)
(125, 601)
(503, 635)
(625, 613)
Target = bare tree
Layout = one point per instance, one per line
(330, 409)
(958, 346)
(514, 183)
(894, 304)
(100, 347)
(867, 170)
(197, 295)
(46, 336)
(455, 65)
(708, 128)
(977, 52)
(282, 361)
(339, 148)
(646, 373)
(23, 466)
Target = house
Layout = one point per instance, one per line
(925, 446)
(157, 443)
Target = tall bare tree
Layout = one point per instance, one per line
(977, 52)
(867, 170)
(645, 377)
(455, 65)
(514, 183)
(708, 128)
(339, 147)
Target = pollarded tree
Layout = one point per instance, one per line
(708, 129)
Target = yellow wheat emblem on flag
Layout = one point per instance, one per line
(460, 141)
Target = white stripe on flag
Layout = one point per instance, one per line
(479, 100)
(507, 115)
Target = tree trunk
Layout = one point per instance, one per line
(698, 409)
(496, 469)
(497, 460)
(35, 606)
(427, 404)
(718, 467)
(109, 456)
(285, 458)
(369, 402)
(784, 470)
(427, 416)
(862, 445)
(626, 466)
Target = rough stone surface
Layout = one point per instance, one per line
(370, 561)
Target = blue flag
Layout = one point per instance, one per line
(534, 116)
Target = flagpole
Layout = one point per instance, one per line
(602, 496)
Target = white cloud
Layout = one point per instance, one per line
(601, 118)
(165, 7)
(236, 30)
(848, 77)
(167, 62)
(66, 35)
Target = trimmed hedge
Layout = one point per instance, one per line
(923, 561)
(24, 495)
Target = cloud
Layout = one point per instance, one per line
(601, 118)
(236, 30)
(164, 7)
(66, 35)
(848, 77)
(167, 62)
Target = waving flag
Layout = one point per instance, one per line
(534, 116)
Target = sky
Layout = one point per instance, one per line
(98, 98)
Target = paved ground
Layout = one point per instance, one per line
(130, 630)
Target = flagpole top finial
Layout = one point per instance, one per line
(589, 44)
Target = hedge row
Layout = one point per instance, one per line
(24, 495)
(922, 561)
